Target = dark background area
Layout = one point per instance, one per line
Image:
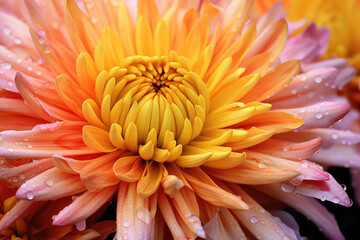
(347, 218)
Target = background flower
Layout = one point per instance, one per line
(169, 119)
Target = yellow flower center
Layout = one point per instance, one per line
(150, 105)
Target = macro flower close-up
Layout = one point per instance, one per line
(178, 119)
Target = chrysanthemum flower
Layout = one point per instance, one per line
(169, 107)
(34, 220)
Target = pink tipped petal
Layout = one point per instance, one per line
(19, 210)
(49, 185)
(307, 88)
(69, 165)
(334, 62)
(289, 150)
(44, 141)
(355, 183)
(19, 174)
(311, 208)
(308, 170)
(335, 194)
(335, 157)
(84, 206)
(323, 114)
(344, 77)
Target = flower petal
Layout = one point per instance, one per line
(49, 185)
(150, 180)
(44, 141)
(84, 206)
(209, 191)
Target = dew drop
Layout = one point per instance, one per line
(143, 214)
(304, 165)
(41, 41)
(286, 148)
(293, 91)
(287, 188)
(318, 79)
(126, 224)
(17, 41)
(318, 115)
(336, 200)
(29, 146)
(10, 83)
(334, 136)
(49, 182)
(303, 78)
(6, 30)
(54, 24)
(93, 20)
(46, 50)
(81, 225)
(22, 176)
(254, 219)
(6, 65)
(261, 210)
(323, 198)
(343, 186)
(29, 195)
(193, 218)
(262, 165)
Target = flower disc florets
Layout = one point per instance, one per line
(150, 105)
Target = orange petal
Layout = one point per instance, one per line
(99, 173)
(133, 213)
(150, 180)
(209, 191)
(84, 206)
(129, 169)
(49, 185)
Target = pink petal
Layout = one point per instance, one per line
(44, 141)
(19, 174)
(334, 156)
(308, 170)
(306, 89)
(335, 193)
(287, 223)
(344, 76)
(355, 183)
(311, 208)
(334, 63)
(49, 185)
(289, 150)
(323, 114)
(84, 206)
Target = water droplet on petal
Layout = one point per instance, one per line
(126, 224)
(261, 210)
(22, 176)
(17, 41)
(143, 214)
(286, 148)
(261, 165)
(81, 225)
(304, 165)
(293, 91)
(343, 186)
(318, 79)
(334, 136)
(49, 182)
(254, 219)
(46, 50)
(318, 115)
(10, 83)
(6, 30)
(287, 188)
(6, 65)
(29, 146)
(93, 20)
(323, 198)
(336, 200)
(29, 195)
(41, 41)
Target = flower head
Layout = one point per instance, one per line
(171, 110)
